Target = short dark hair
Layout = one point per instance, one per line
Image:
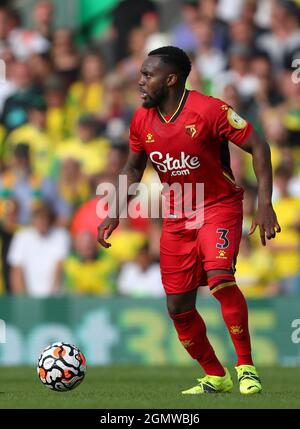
(175, 57)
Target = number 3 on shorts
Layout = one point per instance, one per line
(223, 236)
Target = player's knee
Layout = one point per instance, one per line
(177, 307)
(221, 281)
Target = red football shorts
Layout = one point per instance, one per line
(187, 254)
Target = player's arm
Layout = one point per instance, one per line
(134, 169)
(265, 217)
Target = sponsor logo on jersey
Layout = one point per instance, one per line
(222, 254)
(236, 329)
(191, 130)
(187, 343)
(235, 120)
(149, 138)
(178, 167)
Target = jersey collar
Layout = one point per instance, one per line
(177, 111)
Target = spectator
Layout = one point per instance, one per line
(209, 60)
(73, 186)
(284, 36)
(66, 59)
(8, 227)
(89, 269)
(27, 188)
(128, 15)
(261, 282)
(56, 120)
(42, 15)
(286, 248)
(87, 147)
(86, 95)
(141, 278)
(36, 255)
(182, 34)
(34, 133)
(15, 108)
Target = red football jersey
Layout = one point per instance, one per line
(192, 146)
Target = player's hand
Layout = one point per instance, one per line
(105, 229)
(266, 219)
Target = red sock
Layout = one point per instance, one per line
(191, 332)
(235, 314)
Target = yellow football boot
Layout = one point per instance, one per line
(249, 380)
(211, 384)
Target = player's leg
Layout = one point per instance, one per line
(181, 274)
(219, 242)
(235, 314)
(191, 332)
(234, 310)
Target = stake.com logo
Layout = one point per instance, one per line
(179, 167)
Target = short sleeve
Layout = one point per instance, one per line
(17, 250)
(227, 124)
(63, 244)
(135, 142)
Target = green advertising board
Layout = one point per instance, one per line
(121, 330)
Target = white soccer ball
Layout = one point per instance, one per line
(61, 367)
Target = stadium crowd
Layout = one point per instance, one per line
(65, 111)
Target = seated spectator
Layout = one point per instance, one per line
(262, 281)
(89, 269)
(286, 246)
(117, 112)
(8, 227)
(43, 13)
(65, 56)
(130, 66)
(36, 255)
(141, 278)
(209, 60)
(87, 147)
(27, 188)
(73, 186)
(34, 133)
(182, 33)
(239, 73)
(15, 108)
(284, 37)
(86, 95)
(56, 120)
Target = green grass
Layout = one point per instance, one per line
(144, 387)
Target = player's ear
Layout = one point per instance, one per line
(172, 79)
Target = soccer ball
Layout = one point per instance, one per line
(61, 367)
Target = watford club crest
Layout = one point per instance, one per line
(191, 130)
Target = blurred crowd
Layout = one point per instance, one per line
(65, 112)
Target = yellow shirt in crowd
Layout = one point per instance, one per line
(91, 155)
(287, 261)
(40, 143)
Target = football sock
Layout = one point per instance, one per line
(235, 314)
(191, 332)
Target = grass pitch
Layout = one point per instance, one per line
(145, 387)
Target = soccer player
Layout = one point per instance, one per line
(186, 135)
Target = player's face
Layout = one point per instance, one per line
(153, 82)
